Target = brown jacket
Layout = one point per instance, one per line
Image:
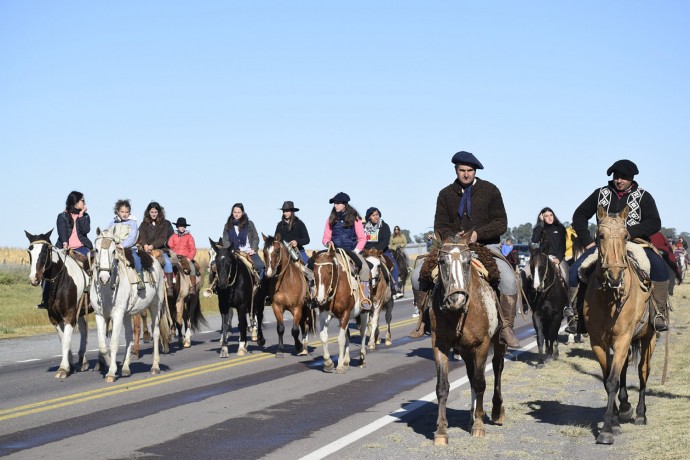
(155, 235)
(488, 215)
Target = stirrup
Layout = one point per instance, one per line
(661, 326)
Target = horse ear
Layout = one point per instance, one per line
(624, 213)
(51, 232)
(98, 231)
(601, 213)
(213, 243)
(277, 237)
(29, 236)
(264, 236)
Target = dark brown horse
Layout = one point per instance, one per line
(288, 290)
(403, 269)
(67, 284)
(381, 297)
(337, 296)
(616, 313)
(464, 319)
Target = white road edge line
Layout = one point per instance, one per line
(28, 360)
(338, 444)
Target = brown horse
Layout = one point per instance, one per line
(288, 290)
(185, 305)
(464, 319)
(616, 315)
(337, 295)
(381, 296)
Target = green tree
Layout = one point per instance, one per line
(522, 233)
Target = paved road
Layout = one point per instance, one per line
(204, 407)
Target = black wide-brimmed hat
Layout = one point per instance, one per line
(289, 206)
(624, 167)
(182, 222)
(466, 158)
(340, 197)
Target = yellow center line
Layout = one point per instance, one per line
(68, 400)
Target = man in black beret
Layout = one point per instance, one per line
(643, 221)
(474, 204)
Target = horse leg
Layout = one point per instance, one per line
(625, 410)
(156, 326)
(242, 324)
(363, 326)
(475, 372)
(117, 322)
(612, 384)
(389, 319)
(126, 372)
(442, 389)
(65, 335)
(647, 344)
(136, 319)
(179, 319)
(280, 327)
(103, 356)
(259, 315)
(83, 333)
(147, 334)
(538, 322)
(345, 356)
(374, 329)
(498, 412)
(324, 319)
(225, 320)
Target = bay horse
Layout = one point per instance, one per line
(68, 299)
(617, 315)
(185, 305)
(403, 269)
(115, 298)
(465, 320)
(236, 289)
(338, 296)
(381, 297)
(288, 290)
(547, 296)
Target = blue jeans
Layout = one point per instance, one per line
(303, 255)
(137, 259)
(395, 273)
(83, 250)
(657, 272)
(258, 265)
(167, 267)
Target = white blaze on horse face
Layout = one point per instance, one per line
(374, 270)
(457, 276)
(536, 280)
(34, 252)
(269, 258)
(321, 288)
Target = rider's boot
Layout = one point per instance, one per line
(507, 309)
(140, 281)
(169, 280)
(420, 299)
(44, 298)
(568, 310)
(365, 300)
(660, 302)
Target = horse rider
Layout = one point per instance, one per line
(183, 244)
(345, 231)
(551, 229)
(154, 232)
(241, 233)
(471, 204)
(292, 230)
(398, 240)
(73, 225)
(643, 221)
(378, 235)
(125, 233)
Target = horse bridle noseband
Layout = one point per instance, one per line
(49, 260)
(454, 256)
(334, 277)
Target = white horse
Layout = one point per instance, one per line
(115, 297)
(67, 303)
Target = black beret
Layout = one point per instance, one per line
(466, 158)
(340, 197)
(624, 167)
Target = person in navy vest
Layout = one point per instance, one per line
(345, 230)
(240, 233)
(378, 235)
(643, 221)
(292, 230)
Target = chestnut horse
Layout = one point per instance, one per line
(338, 295)
(381, 296)
(68, 303)
(464, 319)
(616, 315)
(185, 305)
(288, 290)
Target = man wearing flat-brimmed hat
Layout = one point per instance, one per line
(474, 204)
(292, 230)
(643, 221)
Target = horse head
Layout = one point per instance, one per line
(226, 263)
(325, 274)
(274, 254)
(454, 272)
(40, 257)
(375, 258)
(539, 265)
(612, 235)
(105, 254)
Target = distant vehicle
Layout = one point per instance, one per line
(523, 254)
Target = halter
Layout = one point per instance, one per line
(335, 276)
(105, 243)
(546, 273)
(618, 292)
(455, 256)
(623, 264)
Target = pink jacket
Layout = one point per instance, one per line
(359, 231)
(183, 245)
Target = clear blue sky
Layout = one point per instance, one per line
(199, 105)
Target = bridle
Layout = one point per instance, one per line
(335, 276)
(463, 253)
(48, 259)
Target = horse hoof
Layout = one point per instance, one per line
(371, 347)
(180, 343)
(126, 372)
(241, 352)
(440, 440)
(641, 420)
(341, 370)
(328, 369)
(498, 416)
(280, 355)
(625, 414)
(187, 344)
(84, 367)
(109, 379)
(605, 438)
(261, 342)
(389, 342)
(303, 352)
(478, 432)
(223, 352)
(61, 374)
(155, 371)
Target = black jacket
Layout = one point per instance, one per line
(648, 224)
(298, 232)
(65, 224)
(384, 238)
(555, 235)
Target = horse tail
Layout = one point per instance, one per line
(164, 324)
(635, 347)
(196, 316)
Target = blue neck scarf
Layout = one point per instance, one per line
(465, 202)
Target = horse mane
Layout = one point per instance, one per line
(486, 257)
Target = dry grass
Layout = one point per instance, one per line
(13, 256)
